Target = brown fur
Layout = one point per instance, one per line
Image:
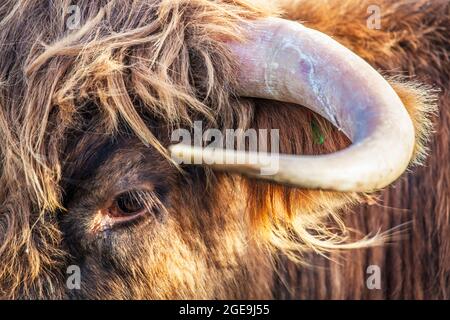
(136, 70)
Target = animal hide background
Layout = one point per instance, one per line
(413, 44)
(165, 59)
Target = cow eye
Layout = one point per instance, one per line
(128, 204)
(125, 208)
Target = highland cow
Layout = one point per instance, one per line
(88, 173)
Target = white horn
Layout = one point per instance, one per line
(285, 61)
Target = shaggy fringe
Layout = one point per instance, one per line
(129, 61)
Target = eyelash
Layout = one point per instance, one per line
(134, 199)
(141, 203)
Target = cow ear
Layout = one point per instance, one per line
(314, 216)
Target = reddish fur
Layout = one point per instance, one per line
(413, 43)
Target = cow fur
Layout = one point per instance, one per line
(136, 70)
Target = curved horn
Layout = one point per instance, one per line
(286, 61)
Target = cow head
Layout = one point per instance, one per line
(89, 176)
